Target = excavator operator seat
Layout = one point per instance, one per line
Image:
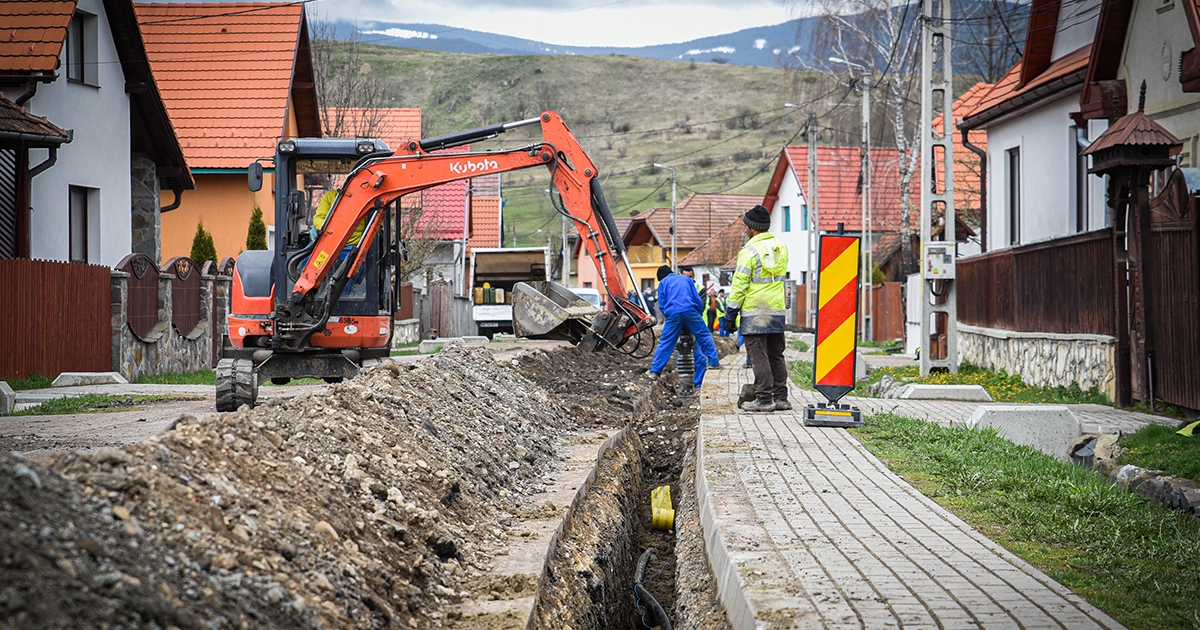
(255, 269)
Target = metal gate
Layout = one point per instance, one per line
(1174, 293)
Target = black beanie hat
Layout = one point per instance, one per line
(757, 218)
(663, 272)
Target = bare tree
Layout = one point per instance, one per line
(990, 38)
(885, 39)
(350, 91)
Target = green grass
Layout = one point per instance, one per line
(199, 377)
(1158, 447)
(90, 403)
(799, 345)
(35, 381)
(1130, 556)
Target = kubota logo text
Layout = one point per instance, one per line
(474, 167)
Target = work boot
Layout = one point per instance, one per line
(715, 366)
(653, 375)
(783, 405)
(755, 406)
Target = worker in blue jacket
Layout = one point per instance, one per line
(681, 307)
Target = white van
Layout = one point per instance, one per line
(591, 295)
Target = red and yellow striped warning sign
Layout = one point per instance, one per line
(837, 316)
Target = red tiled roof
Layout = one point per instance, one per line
(720, 249)
(393, 125)
(444, 207)
(698, 217)
(1006, 94)
(225, 71)
(32, 33)
(838, 196)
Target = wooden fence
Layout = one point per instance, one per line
(888, 308)
(1063, 285)
(55, 318)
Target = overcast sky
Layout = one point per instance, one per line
(576, 22)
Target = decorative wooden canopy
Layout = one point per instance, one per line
(1133, 141)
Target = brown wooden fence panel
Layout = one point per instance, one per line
(888, 322)
(143, 292)
(985, 290)
(1060, 286)
(56, 318)
(185, 293)
(1175, 316)
(1065, 285)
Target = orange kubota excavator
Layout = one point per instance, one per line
(320, 304)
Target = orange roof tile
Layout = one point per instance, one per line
(225, 72)
(838, 197)
(1007, 94)
(720, 249)
(485, 223)
(966, 162)
(32, 33)
(393, 125)
(697, 218)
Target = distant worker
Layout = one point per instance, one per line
(722, 305)
(758, 297)
(680, 305)
(711, 307)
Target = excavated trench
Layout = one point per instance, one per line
(589, 575)
(387, 502)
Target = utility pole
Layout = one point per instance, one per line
(866, 264)
(674, 249)
(814, 227)
(937, 258)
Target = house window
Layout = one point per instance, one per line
(1081, 184)
(1014, 196)
(79, 223)
(787, 218)
(81, 49)
(804, 217)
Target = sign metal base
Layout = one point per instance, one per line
(832, 415)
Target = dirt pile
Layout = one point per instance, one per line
(369, 507)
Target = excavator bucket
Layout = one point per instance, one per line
(548, 310)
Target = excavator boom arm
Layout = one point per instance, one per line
(377, 182)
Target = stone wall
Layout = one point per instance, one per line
(165, 349)
(146, 219)
(1042, 359)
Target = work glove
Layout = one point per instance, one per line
(731, 319)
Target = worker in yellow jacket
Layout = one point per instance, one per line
(758, 297)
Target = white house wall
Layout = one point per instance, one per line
(1046, 142)
(98, 158)
(790, 194)
(1160, 33)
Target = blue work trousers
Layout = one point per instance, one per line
(706, 350)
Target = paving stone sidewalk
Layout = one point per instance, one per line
(806, 529)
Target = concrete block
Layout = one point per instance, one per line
(475, 340)
(860, 366)
(72, 379)
(1050, 429)
(809, 339)
(8, 398)
(922, 391)
(430, 346)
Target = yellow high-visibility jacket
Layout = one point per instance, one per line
(758, 285)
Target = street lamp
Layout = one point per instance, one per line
(674, 253)
(867, 264)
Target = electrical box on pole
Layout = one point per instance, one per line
(939, 303)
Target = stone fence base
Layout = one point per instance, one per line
(406, 332)
(1043, 359)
